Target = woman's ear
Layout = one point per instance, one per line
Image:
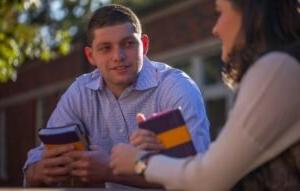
(145, 40)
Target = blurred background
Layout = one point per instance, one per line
(41, 45)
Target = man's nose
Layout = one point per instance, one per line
(119, 54)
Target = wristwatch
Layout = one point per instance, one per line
(142, 162)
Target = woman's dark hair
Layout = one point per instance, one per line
(112, 15)
(266, 25)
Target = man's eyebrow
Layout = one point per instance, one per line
(102, 44)
(128, 37)
(105, 43)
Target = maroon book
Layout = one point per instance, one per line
(172, 131)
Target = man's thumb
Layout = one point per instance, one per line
(140, 117)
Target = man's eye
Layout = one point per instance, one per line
(129, 43)
(104, 49)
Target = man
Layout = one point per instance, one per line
(105, 102)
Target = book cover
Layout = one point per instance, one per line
(172, 132)
(71, 134)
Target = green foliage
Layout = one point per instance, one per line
(38, 29)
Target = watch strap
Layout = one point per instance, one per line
(142, 162)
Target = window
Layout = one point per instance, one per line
(212, 70)
(193, 66)
(39, 119)
(183, 65)
(44, 107)
(216, 113)
(3, 173)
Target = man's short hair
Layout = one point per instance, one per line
(112, 15)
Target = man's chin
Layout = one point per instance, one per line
(124, 83)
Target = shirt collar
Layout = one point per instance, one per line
(95, 81)
(148, 78)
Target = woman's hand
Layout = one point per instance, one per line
(123, 159)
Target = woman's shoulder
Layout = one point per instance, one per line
(272, 70)
(273, 58)
(274, 62)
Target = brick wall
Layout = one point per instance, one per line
(39, 74)
(20, 137)
(180, 28)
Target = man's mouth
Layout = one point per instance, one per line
(120, 68)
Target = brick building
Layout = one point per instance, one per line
(180, 35)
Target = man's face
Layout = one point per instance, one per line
(117, 51)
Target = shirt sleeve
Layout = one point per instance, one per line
(181, 91)
(64, 113)
(68, 109)
(265, 120)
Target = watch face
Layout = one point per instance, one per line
(139, 167)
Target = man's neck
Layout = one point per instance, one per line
(116, 90)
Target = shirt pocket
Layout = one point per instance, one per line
(99, 132)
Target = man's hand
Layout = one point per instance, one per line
(90, 166)
(52, 169)
(144, 139)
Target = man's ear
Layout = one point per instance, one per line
(88, 54)
(145, 40)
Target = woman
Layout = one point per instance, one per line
(265, 119)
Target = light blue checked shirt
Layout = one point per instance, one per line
(110, 121)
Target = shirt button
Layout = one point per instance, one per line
(121, 130)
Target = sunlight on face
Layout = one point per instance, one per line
(117, 51)
(227, 26)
